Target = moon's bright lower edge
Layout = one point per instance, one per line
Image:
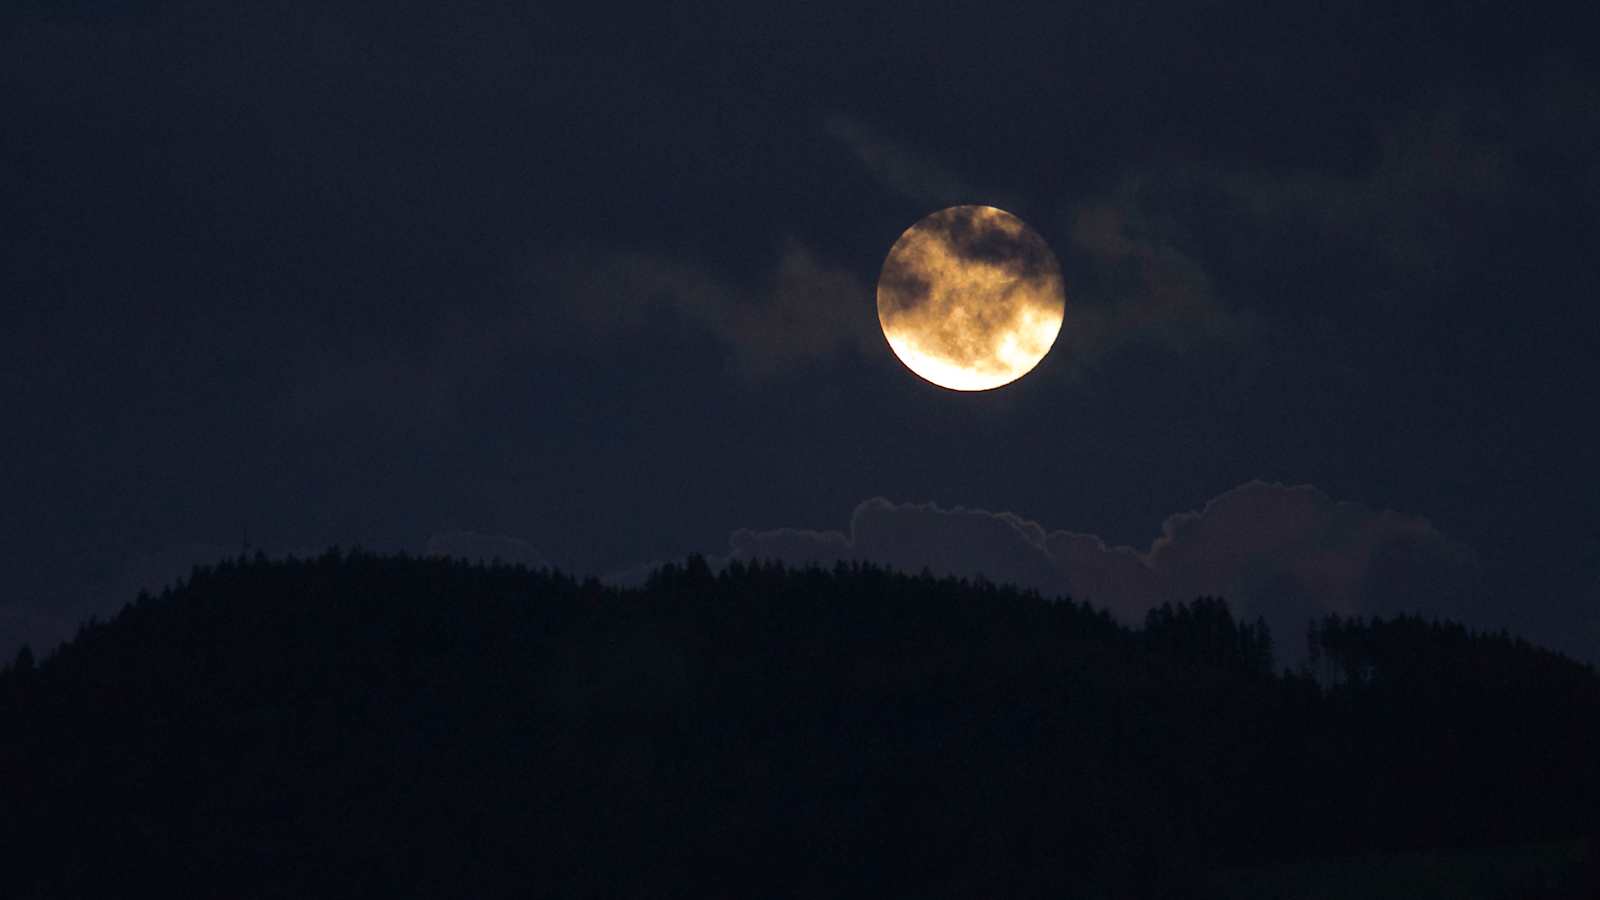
(970, 298)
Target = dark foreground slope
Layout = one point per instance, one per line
(368, 726)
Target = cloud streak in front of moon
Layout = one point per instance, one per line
(970, 298)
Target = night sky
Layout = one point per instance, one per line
(469, 278)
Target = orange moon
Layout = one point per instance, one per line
(970, 298)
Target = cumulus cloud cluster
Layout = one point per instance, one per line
(1281, 552)
(1276, 551)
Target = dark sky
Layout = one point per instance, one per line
(467, 277)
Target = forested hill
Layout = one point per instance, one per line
(359, 725)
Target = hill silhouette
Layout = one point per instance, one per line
(363, 725)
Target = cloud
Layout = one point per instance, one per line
(916, 536)
(1133, 284)
(1281, 552)
(476, 546)
(906, 172)
(1430, 175)
(1141, 286)
(1267, 544)
(805, 309)
(1147, 248)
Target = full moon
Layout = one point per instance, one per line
(970, 298)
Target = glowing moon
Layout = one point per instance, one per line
(970, 298)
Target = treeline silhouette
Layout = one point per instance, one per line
(363, 725)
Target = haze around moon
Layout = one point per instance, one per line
(970, 298)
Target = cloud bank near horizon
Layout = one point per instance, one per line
(1281, 552)
(1284, 553)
